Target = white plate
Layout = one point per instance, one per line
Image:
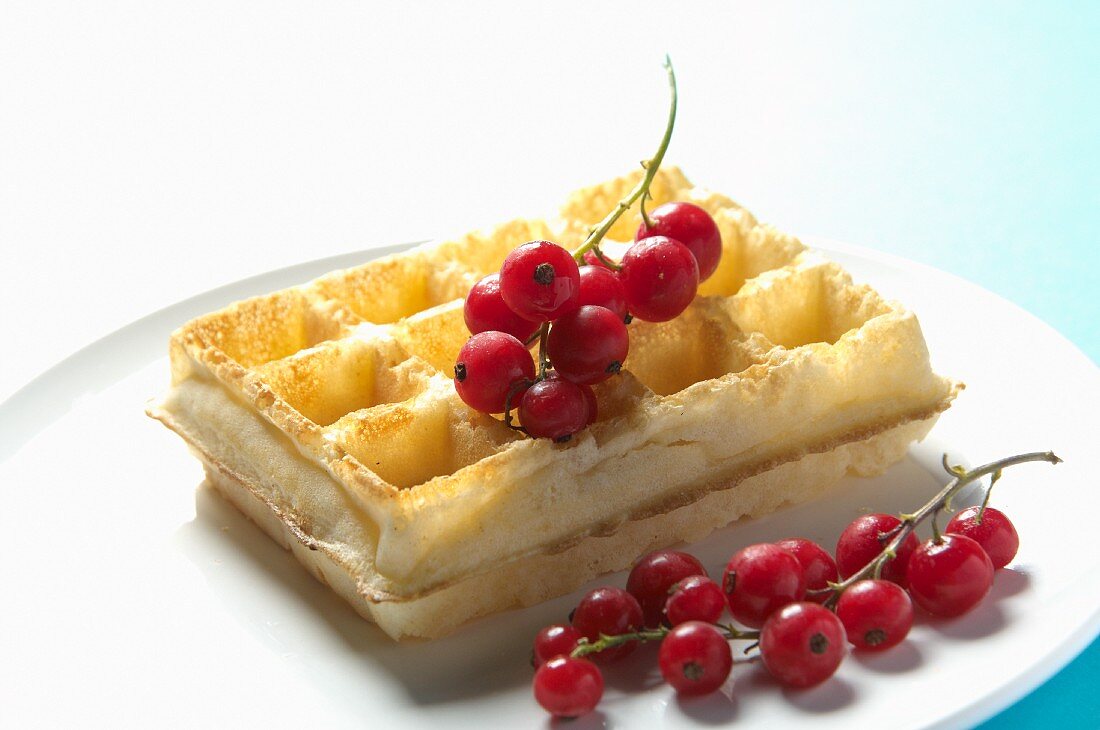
(132, 597)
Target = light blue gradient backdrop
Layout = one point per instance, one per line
(965, 136)
(978, 130)
(969, 141)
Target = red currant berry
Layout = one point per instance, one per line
(653, 577)
(864, 539)
(761, 579)
(588, 345)
(802, 644)
(695, 658)
(995, 533)
(568, 687)
(690, 225)
(486, 311)
(695, 598)
(817, 565)
(609, 611)
(540, 281)
(949, 577)
(876, 614)
(660, 278)
(589, 397)
(554, 640)
(601, 286)
(593, 404)
(488, 366)
(554, 408)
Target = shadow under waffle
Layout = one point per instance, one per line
(278, 602)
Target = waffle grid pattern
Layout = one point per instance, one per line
(353, 370)
(358, 353)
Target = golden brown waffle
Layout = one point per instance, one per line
(326, 412)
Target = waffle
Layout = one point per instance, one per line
(327, 414)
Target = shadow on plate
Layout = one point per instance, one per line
(717, 708)
(752, 681)
(832, 695)
(636, 673)
(302, 621)
(591, 721)
(1009, 582)
(989, 616)
(905, 657)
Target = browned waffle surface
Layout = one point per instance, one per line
(332, 402)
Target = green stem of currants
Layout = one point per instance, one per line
(933, 507)
(591, 243)
(516, 387)
(642, 188)
(585, 647)
(604, 260)
(544, 361)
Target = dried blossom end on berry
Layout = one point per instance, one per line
(877, 614)
(695, 658)
(803, 644)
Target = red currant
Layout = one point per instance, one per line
(601, 286)
(653, 577)
(877, 614)
(864, 539)
(540, 281)
(490, 366)
(554, 640)
(568, 687)
(802, 644)
(690, 225)
(609, 611)
(593, 404)
(949, 577)
(588, 345)
(995, 533)
(660, 278)
(817, 565)
(554, 408)
(486, 311)
(695, 658)
(589, 398)
(761, 579)
(695, 598)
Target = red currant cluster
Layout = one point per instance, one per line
(800, 607)
(576, 306)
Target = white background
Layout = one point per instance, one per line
(149, 151)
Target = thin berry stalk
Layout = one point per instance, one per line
(585, 647)
(544, 361)
(597, 234)
(642, 188)
(932, 508)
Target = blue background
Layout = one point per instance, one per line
(964, 136)
(989, 155)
